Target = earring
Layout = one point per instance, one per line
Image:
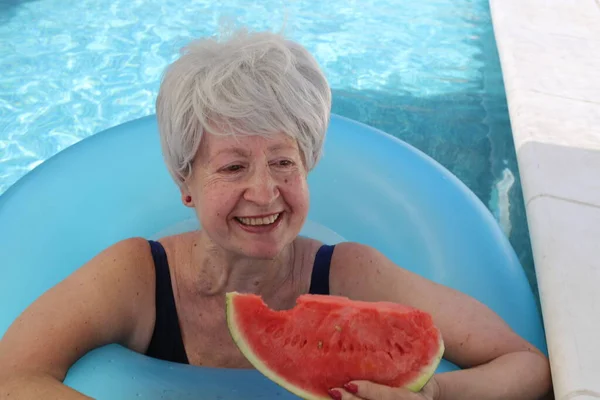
(188, 199)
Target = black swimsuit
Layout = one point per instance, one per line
(167, 342)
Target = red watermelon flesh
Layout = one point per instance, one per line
(327, 341)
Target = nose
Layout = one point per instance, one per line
(261, 187)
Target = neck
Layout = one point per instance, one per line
(224, 271)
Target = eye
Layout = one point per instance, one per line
(284, 163)
(233, 168)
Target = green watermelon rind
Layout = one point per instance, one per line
(235, 332)
(428, 370)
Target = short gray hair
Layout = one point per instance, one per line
(249, 83)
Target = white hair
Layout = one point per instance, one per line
(250, 83)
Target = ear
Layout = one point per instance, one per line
(186, 197)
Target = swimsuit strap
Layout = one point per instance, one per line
(167, 342)
(319, 281)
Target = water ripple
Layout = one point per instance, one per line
(420, 70)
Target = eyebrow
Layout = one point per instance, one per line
(245, 153)
(228, 150)
(282, 146)
(235, 150)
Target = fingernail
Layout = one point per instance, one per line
(335, 394)
(351, 387)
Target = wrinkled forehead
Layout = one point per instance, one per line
(244, 144)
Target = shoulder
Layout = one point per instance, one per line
(134, 247)
(120, 280)
(131, 248)
(358, 270)
(125, 269)
(132, 255)
(353, 254)
(126, 266)
(363, 272)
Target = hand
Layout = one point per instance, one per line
(365, 390)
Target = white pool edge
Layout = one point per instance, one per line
(550, 56)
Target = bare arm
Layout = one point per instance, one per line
(108, 300)
(497, 363)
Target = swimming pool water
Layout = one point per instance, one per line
(426, 71)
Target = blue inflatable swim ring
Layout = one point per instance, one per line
(369, 187)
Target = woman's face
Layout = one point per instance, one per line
(250, 193)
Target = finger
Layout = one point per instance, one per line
(372, 391)
(341, 394)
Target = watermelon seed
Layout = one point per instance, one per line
(338, 328)
(399, 348)
(320, 344)
(303, 343)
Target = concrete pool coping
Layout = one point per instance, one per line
(550, 56)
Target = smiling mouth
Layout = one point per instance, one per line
(258, 221)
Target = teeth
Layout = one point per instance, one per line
(259, 221)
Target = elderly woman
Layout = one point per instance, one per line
(242, 122)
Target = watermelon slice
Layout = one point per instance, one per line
(327, 341)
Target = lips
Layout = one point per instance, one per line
(258, 221)
(260, 224)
